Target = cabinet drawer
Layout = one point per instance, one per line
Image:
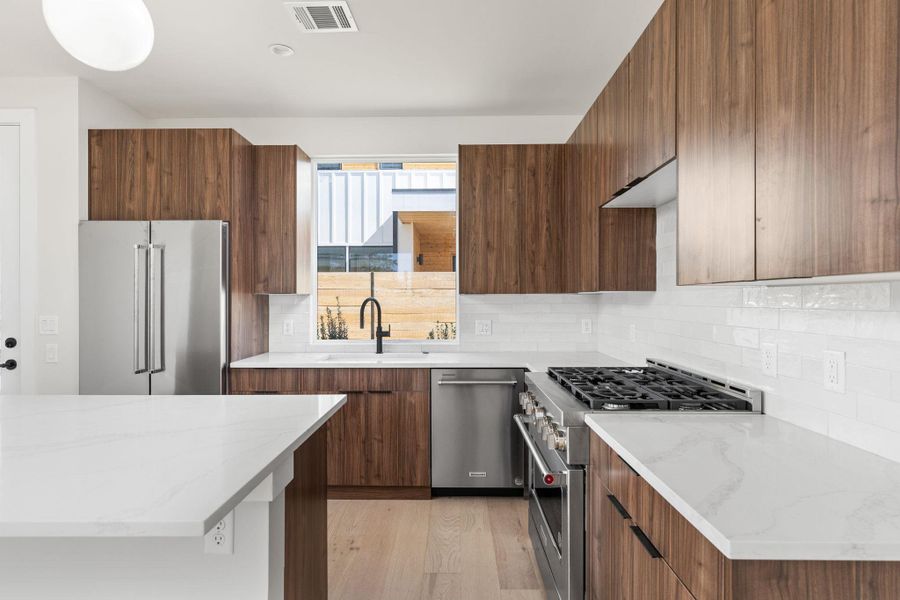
(690, 555)
(624, 483)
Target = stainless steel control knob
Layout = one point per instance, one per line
(549, 431)
(539, 413)
(559, 441)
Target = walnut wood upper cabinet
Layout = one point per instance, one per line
(716, 145)
(637, 129)
(828, 194)
(651, 95)
(159, 174)
(283, 223)
(512, 219)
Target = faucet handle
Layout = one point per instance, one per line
(386, 333)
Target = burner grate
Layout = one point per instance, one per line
(642, 388)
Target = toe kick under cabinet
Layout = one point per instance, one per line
(638, 547)
(379, 442)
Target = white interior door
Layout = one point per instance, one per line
(10, 332)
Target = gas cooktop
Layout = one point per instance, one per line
(656, 387)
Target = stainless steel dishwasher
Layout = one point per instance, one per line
(474, 443)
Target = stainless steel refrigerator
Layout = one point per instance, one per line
(153, 304)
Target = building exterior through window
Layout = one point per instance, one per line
(386, 230)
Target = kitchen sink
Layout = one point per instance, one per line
(368, 358)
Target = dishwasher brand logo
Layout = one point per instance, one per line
(481, 474)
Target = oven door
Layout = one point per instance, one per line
(556, 520)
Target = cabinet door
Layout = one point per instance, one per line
(489, 207)
(651, 577)
(828, 131)
(619, 157)
(651, 110)
(348, 447)
(613, 579)
(543, 219)
(283, 195)
(414, 429)
(512, 219)
(716, 148)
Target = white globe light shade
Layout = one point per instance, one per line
(112, 35)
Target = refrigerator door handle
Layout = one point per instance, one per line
(157, 328)
(141, 259)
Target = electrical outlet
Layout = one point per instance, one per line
(51, 353)
(48, 325)
(632, 333)
(220, 539)
(287, 327)
(482, 327)
(587, 326)
(835, 368)
(769, 358)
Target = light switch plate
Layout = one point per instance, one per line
(483, 327)
(48, 325)
(587, 326)
(51, 353)
(287, 327)
(834, 366)
(769, 359)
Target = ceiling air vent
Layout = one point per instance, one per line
(322, 17)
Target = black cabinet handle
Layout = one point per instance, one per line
(349, 392)
(645, 542)
(380, 392)
(628, 186)
(618, 506)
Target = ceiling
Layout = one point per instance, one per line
(410, 57)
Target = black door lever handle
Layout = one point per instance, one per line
(9, 365)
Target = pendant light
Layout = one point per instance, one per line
(112, 35)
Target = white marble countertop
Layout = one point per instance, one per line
(533, 361)
(761, 488)
(142, 466)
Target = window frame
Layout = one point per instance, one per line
(361, 345)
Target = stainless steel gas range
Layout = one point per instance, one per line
(552, 425)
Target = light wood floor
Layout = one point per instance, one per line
(446, 548)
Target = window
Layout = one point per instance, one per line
(386, 229)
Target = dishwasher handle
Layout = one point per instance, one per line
(476, 382)
(548, 475)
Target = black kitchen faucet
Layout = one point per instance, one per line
(380, 334)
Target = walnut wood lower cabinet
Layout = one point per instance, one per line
(379, 442)
(640, 548)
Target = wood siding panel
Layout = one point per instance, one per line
(716, 147)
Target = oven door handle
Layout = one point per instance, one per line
(550, 477)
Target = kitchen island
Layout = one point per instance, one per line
(158, 496)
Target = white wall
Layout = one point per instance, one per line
(63, 108)
(392, 136)
(720, 329)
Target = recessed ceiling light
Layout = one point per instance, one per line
(281, 50)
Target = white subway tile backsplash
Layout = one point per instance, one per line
(720, 328)
(856, 296)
